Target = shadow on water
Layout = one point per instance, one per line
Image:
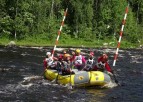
(21, 78)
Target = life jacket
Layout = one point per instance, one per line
(49, 61)
(101, 64)
(78, 60)
(65, 64)
(89, 63)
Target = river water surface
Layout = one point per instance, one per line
(21, 80)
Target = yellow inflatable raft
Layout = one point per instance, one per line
(80, 78)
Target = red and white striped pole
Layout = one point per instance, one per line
(121, 33)
(59, 32)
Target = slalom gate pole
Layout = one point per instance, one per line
(121, 33)
(59, 32)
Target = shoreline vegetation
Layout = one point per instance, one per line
(106, 43)
(85, 23)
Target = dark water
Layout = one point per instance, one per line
(17, 64)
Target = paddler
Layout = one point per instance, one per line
(66, 65)
(79, 60)
(90, 62)
(103, 65)
(49, 61)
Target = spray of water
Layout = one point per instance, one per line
(110, 85)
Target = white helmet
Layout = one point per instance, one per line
(48, 53)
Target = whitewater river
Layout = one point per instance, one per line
(21, 71)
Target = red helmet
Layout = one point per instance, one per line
(105, 57)
(91, 53)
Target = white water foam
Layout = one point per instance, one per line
(27, 85)
(135, 59)
(32, 77)
(2, 92)
(28, 81)
(110, 85)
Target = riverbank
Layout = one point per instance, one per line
(107, 43)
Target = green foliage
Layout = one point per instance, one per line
(6, 23)
(87, 20)
(131, 31)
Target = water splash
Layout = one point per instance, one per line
(32, 78)
(110, 85)
(27, 85)
(69, 86)
(28, 80)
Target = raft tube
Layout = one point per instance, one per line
(80, 78)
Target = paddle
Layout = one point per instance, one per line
(70, 84)
(71, 87)
(58, 69)
(115, 79)
(112, 75)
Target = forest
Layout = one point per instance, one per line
(87, 20)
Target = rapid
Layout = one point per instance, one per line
(21, 71)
